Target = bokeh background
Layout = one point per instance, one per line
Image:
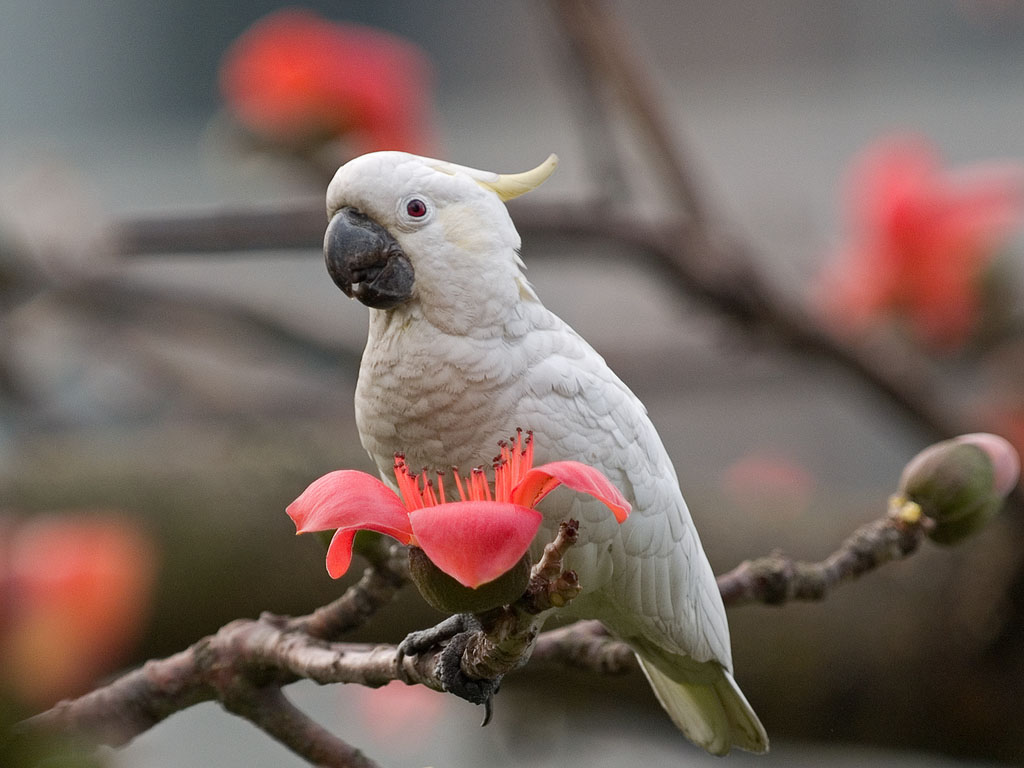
(189, 398)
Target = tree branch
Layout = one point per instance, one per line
(777, 579)
(246, 663)
(771, 580)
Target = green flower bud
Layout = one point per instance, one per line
(961, 483)
(448, 595)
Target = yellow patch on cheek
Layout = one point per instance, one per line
(463, 229)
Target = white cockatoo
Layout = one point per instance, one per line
(461, 353)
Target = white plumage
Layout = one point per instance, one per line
(471, 355)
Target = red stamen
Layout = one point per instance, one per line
(499, 480)
(515, 457)
(406, 484)
(480, 490)
(440, 485)
(429, 499)
(458, 484)
(474, 485)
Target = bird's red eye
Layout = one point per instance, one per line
(416, 208)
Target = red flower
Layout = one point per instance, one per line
(920, 238)
(475, 539)
(294, 76)
(74, 594)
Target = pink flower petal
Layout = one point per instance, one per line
(985, 203)
(475, 542)
(339, 552)
(350, 499)
(540, 481)
(885, 179)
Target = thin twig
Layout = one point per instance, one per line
(777, 579)
(606, 55)
(297, 225)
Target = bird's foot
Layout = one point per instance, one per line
(423, 640)
(455, 633)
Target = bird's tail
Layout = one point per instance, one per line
(713, 714)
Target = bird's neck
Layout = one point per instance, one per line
(484, 310)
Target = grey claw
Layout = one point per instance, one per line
(488, 710)
(454, 633)
(423, 640)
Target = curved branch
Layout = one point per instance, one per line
(132, 704)
(247, 660)
(777, 579)
(244, 663)
(771, 580)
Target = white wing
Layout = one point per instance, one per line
(650, 581)
(654, 580)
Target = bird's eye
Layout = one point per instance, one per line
(416, 208)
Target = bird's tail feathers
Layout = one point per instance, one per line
(714, 715)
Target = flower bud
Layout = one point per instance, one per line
(448, 595)
(961, 483)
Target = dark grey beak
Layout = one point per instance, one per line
(366, 262)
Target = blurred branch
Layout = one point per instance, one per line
(699, 256)
(691, 250)
(297, 225)
(605, 53)
(123, 301)
(676, 251)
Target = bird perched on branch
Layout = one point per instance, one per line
(461, 352)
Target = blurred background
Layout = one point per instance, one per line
(159, 410)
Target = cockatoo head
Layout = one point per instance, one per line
(404, 228)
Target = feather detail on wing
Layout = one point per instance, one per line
(662, 587)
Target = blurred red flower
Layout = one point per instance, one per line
(919, 240)
(1005, 418)
(74, 594)
(397, 715)
(767, 484)
(296, 77)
